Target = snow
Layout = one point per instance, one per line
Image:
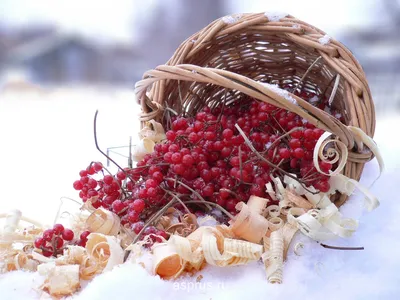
(275, 16)
(324, 40)
(281, 92)
(46, 140)
(231, 19)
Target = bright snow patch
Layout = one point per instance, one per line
(281, 92)
(324, 40)
(231, 18)
(275, 16)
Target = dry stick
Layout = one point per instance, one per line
(335, 87)
(240, 164)
(177, 199)
(97, 145)
(341, 248)
(283, 136)
(306, 73)
(154, 218)
(190, 189)
(268, 162)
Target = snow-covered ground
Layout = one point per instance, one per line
(45, 139)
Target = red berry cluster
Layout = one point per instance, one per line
(54, 240)
(206, 156)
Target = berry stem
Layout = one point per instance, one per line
(97, 144)
(283, 136)
(177, 199)
(246, 139)
(190, 189)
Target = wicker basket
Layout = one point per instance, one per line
(237, 52)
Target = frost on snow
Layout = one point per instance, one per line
(274, 16)
(285, 94)
(325, 40)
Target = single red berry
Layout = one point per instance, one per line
(176, 158)
(151, 183)
(67, 234)
(78, 185)
(118, 206)
(58, 228)
(48, 235)
(138, 205)
(133, 216)
(158, 176)
(83, 173)
(121, 175)
(91, 171)
(227, 134)
(284, 153)
(47, 253)
(98, 166)
(137, 227)
(39, 242)
(295, 143)
(171, 135)
(108, 179)
(298, 153)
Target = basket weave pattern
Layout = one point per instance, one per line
(229, 59)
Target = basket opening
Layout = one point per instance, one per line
(262, 57)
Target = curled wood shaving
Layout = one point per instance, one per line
(288, 232)
(369, 142)
(257, 204)
(273, 260)
(231, 252)
(145, 146)
(60, 280)
(166, 261)
(347, 186)
(275, 223)
(298, 201)
(153, 131)
(273, 210)
(103, 221)
(248, 224)
(324, 151)
(105, 250)
(17, 260)
(88, 266)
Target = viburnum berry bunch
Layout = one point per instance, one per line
(206, 158)
(53, 240)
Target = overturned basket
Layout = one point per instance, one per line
(239, 52)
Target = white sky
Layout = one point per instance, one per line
(115, 18)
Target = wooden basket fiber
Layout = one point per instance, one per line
(236, 53)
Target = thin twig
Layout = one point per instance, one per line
(97, 145)
(283, 136)
(190, 189)
(341, 248)
(154, 218)
(268, 162)
(177, 199)
(306, 73)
